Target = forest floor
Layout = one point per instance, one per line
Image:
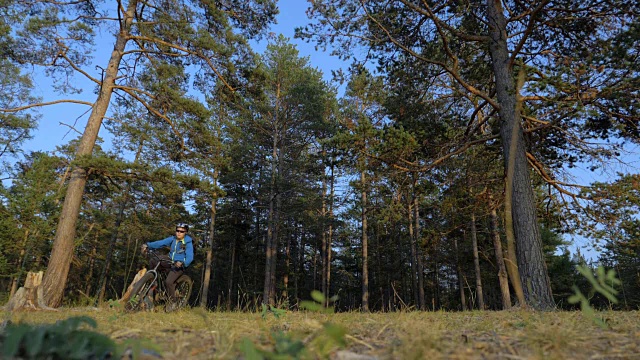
(516, 334)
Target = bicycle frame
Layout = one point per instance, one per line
(151, 287)
(159, 277)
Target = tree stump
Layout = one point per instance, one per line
(30, 296)
(127, 293)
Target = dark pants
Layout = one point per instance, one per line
(172, 272)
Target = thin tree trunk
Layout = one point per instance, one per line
(502, 271)
(365, 255)
(92, 261)
(521, 214)
(19, 264)
(414, 254)
(324, 237)
(463, 297)
(271, 247)
(330, 234)
(112, 244)
(419, 255)
(206, 282)
(287, 264)
(231, 273)
(476, 262)
(57, 272)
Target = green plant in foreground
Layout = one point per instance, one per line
(602, 283)
(277, 313)
(289, 346)
(65, 339)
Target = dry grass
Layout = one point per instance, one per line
(197, 334)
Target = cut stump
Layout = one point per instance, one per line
(30, 296)
(127, 294)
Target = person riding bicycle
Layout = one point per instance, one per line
(179, 258)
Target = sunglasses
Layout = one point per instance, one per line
(181, 231)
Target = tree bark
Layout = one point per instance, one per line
(206, 282)
(231, 273)
(419, 255)
(531, 266)
(270, 256)
(502, 270)
(57, 272)
(112, 244)
(476, 262)
(463, 297)
(414, 256)
(365, 240)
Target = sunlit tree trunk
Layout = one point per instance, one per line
(502, 271)
(55, 278)
(521, 214)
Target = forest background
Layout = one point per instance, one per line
(381, 183)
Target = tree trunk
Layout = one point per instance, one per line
(231, 273)
(414, 256)
(92, 261)
(330, 234)
(19, 264)
(271, 248)
(421, 303)
(324, 239)
(287, 264)
(502, 270)
(57, 272)
(206, 282)
(112, 244)
(463, 297)
(365, 255)
(531, 266)
(476, 262)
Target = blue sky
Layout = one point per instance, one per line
(59, 121)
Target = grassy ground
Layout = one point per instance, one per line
(197, 334)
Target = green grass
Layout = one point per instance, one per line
(198, 334)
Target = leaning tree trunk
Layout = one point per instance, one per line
(57, 272)
(531, 266)
(502, 270)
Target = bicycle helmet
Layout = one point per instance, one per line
(182, 225)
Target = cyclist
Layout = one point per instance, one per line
(179, 257)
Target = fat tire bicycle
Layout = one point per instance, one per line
(151, 288)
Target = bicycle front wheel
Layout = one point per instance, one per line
(183, 291)
(140, 295)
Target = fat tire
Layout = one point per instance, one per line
(139, 292)
(184, 285)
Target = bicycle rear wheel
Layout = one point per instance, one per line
(183, 291)
(140, 295)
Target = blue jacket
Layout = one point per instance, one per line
(180, 250)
